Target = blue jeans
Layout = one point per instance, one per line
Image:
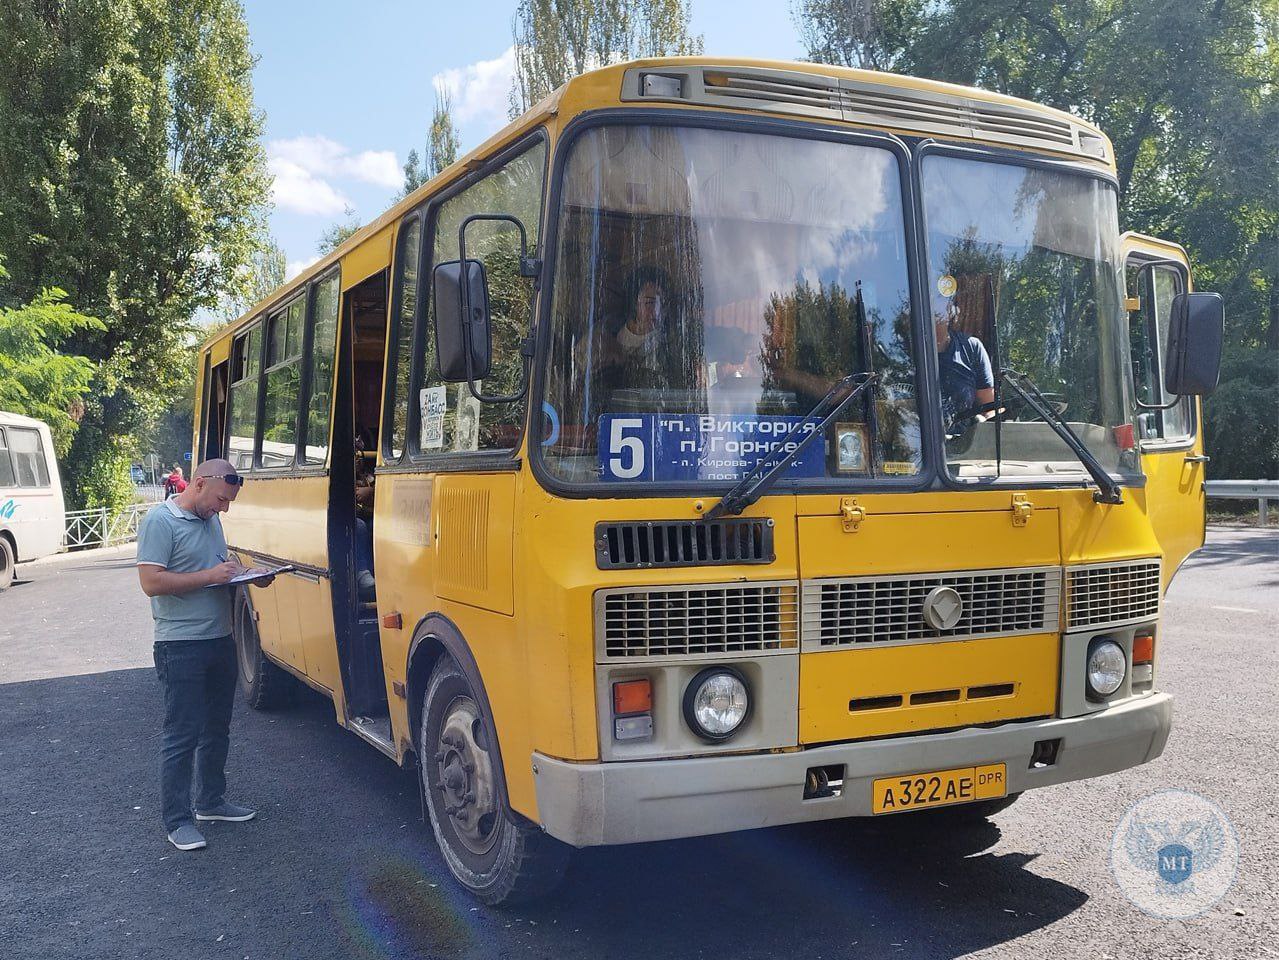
(199, 678)
(363, 545)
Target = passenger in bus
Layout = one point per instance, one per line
(183, 567)
(364, 527)
(965, 374)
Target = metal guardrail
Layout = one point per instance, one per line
(103, 528)
(1259, 490)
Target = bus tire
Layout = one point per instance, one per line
(489, 850)
(7, 563)
(261, 681)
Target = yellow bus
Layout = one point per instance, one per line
(726, 444)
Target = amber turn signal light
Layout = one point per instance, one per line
(1143, 648)
(632, 696)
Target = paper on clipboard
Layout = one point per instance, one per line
(253, 575)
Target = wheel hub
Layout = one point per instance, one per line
(465, 777)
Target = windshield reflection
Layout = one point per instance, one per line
(1023, 275)
(706, 298)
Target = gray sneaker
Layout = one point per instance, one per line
(227, 811)
(187, 837)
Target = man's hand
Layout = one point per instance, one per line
(223, 572)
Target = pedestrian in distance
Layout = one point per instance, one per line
(183, 567)
(175, 482)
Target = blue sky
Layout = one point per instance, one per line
(347, 89)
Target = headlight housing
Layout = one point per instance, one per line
(716, 703)
(1107, 666)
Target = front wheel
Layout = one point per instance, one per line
(488, 849)
(261, 681)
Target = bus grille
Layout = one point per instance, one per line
(1112, 593)
(683, 543)
(701, 620)
(881, 610)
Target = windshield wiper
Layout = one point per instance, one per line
(766, 470)
(1107, 489)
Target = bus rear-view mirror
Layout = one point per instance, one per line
(463, 341)
(1195, 331)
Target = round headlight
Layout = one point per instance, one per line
(716, 703)
(1107, 666)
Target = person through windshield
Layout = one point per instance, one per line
(964, 370)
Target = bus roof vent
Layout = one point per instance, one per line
(647, 544)
(891, 106)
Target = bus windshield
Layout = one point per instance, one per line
(711, 286)
(1023, 274)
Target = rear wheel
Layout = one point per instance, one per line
(261, 681)
(488, 849)
(7, 563)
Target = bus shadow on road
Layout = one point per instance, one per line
(829, 889)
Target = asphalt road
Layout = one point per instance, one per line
(339, 864)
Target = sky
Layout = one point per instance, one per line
(348, 90)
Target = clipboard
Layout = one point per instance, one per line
(253, 577)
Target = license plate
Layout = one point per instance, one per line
(939, 789)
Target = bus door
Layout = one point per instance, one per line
(1170, 430)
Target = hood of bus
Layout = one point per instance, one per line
(925, 619)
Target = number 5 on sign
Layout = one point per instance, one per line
(626, 454)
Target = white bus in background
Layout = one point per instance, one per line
(32, 515)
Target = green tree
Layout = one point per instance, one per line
(441, 145)
(134, 180)
(338, 233)
(556, 40)
(259, 278)
(35, 379)
(1188, 92)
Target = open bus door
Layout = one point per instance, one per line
(1172, 443)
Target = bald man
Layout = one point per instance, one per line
(183, 567)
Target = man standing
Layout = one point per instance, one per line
(183, 568)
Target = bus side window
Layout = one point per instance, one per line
(1149, 332)
(29, 462)
(324, 314)
(243, 401)
(283, 378)
(408, 248)
(6, 465)
(452, 420)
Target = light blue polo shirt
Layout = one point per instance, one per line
(181, 542)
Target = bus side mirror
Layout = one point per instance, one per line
(463, 334)
(1195, 331)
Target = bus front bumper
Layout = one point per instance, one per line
(589, 804)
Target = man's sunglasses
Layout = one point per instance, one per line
(232, 478)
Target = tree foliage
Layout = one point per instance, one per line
(35, 379)
(442, 145)
(1187, 91)
(338, 233)
(556, 40)
(134, 180)
(263, 273)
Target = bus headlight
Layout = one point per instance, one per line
(1107, 667)
(716, 703)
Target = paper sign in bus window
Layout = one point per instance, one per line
(685, 447)
(433, 401)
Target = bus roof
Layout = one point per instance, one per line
(844, 94)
